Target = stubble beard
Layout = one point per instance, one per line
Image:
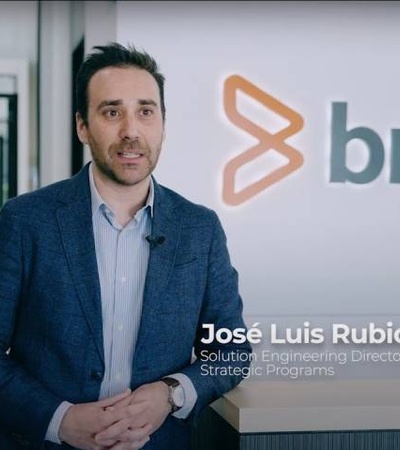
(105, 166)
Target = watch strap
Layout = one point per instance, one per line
(172, 384)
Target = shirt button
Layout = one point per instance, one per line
(118, 376)
(120, 327)
(123, 279)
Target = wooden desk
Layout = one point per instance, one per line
(304, 415)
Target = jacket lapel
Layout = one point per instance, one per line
(166, 223)
(75, 223)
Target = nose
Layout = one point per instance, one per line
(130, 128)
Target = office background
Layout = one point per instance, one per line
(318, 245)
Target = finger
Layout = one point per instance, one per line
(135, 436)
(110, 401)
(122, 418)
(122, 446)
(135, 412)
(129, 446)
(140, 444)
(109, 436)
(124, 402)
(128, 434)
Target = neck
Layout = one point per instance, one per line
(125, 201)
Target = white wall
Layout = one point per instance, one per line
(306, 248)
(303, 244)
(55, 91)
(18, 30)
(100, 28)
(18, 42)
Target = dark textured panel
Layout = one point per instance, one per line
(336, 440)
(214, 433)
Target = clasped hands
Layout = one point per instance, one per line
(122, 422)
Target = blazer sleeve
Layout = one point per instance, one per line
(26, 406)
(222, 307)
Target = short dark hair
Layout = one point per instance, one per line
(114, 55)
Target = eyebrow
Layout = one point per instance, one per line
(109, 103)
(142, 102)
(147, 101)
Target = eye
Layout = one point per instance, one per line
(146, 112)
(111, 113)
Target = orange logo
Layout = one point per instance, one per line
(267, 141)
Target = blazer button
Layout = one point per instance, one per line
(96, 375)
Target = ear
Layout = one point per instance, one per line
(81, 129)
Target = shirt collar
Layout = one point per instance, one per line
(97, 200)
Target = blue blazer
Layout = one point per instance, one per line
(51, 343)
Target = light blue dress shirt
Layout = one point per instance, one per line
(122, 257)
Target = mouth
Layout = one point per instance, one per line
(129, 155)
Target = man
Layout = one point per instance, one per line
(106, 282)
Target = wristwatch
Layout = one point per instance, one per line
(176, 397)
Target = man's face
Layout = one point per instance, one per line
(125, 128)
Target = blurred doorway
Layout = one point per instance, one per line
(8, 146)
(17, 130)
